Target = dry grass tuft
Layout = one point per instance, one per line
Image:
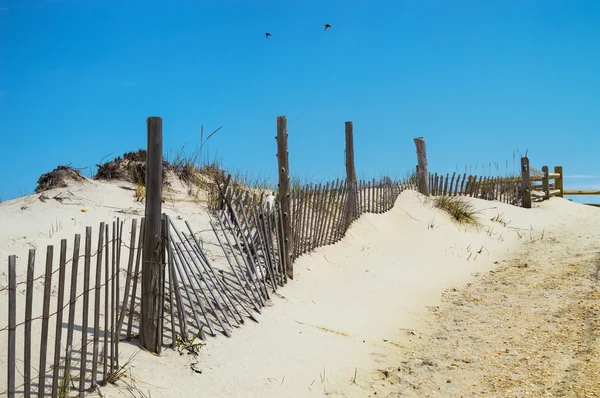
(58, 178)
(459, 209)
(131, 167)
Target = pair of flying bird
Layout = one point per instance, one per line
(327, 26)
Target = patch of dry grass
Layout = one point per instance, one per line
(458, 208)
(58, 178)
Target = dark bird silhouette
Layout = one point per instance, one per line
(327, 26)
(267, 35)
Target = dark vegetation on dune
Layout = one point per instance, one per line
(58, 178)
(131, 167)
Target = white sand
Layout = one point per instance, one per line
(347, 311)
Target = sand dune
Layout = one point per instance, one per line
(353, 309)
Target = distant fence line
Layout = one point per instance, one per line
(518, 190)
(502, 189)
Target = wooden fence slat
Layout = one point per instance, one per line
(12, 324)
(306, 199)
(307, 233)
(300, 206)
(309, 217)
(135, 276)
(359, 211)
(315, 215)
(105, 349)
(462, 184)
(373, 196)
(117, 301)
(450, 192)
(128, 278)
(280, 230)
(431, 184)
(97, 285)
(45, 316)
(294, 219)
(59, 318)
(320, 214)
(323, 214)
(161, 314)
(28, 312)
(331, 211)
(72, 307)
(446, 184)
(472, 183)
(86, 303)
(325, 225)
(113, 253)
(334, 217)
(174, 299)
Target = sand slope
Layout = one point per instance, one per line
(352, 309)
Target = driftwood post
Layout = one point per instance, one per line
(350, 174)
(525, 183)
(284, 193)
(151, 267)
(423, 172)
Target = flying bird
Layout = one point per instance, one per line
(327, 26)
(267, 35)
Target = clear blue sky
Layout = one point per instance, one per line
(477, 79)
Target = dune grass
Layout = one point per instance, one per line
(458, 208)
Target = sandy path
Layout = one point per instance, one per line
(529, 328)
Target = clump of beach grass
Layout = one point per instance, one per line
(58, 178)
(458, 208)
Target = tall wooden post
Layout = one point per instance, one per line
(350, 174)
(284, 193)
(151, 257)
(422, 170)
(525, 183)
(558, 182)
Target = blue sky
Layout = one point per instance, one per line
(477, 79)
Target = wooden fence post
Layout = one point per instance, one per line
(558, 182)
(284, 193)
(151, 267)
(423, 172)
(525, 183)
(416, 178)
(350, 174)
(546, 183)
